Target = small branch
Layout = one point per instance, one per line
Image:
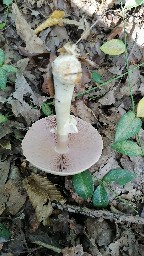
(48, 246)
(119, 218)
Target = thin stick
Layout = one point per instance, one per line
(107, 82)
(86, 32)
(119, 218)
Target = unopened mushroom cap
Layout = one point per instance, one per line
(85, 148)
(67, 69)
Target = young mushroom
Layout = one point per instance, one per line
(63, 144)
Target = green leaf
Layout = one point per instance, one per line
(3, 79)
(4, 233)
(2, 57)
(128, 148)
(97, 77)
(46, 109)
(133, 3)
(7, 2)
(100, 197)
(128, 126)
(119, 176)
(83, 184)
(9, 68)
(3, 118)
(2, 25)
(113, 47)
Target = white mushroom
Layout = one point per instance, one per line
(63, 144)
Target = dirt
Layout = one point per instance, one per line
(39, 225)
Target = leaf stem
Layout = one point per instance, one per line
(107, 82)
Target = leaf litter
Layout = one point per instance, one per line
(21, 104)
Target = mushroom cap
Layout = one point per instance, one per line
(67, 69)
(85, 147)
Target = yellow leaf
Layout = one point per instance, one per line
(140, 108)
(54, 19)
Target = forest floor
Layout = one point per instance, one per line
(75, 228)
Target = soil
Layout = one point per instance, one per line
(41, 214)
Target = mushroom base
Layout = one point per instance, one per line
(84, 147)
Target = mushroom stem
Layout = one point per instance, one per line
(67, 73)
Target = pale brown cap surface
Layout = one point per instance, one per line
(85, 148)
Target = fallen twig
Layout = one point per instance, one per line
(119, 218)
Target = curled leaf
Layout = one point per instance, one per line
(113, 47)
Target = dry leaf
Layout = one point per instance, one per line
(54, 19)
(116, 31)
(15, 199)
(33, 43)
(48, 85)
(24, 109)
(4, 171)
(84, 112)
(41, 192)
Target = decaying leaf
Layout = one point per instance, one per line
(116, 31)
(29, 113)
(41, 192)
(84, 112)
(22, 89)
(10, 196)
(4, 170)
(33, 43)
(15, 199)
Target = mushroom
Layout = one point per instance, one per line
(63, 144)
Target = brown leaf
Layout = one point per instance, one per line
(48, 85)
(84, 112)
(33, 43)
(41, 192)
(15, 199)
(116, 31)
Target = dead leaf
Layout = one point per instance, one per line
(4, 171)
(22, 89)
(88, 7)
(33, 43)
(84, 112)
(41, 192)
(108, 98)
(24, 109)
(48, 85)
(15, 199)
(116, 31)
